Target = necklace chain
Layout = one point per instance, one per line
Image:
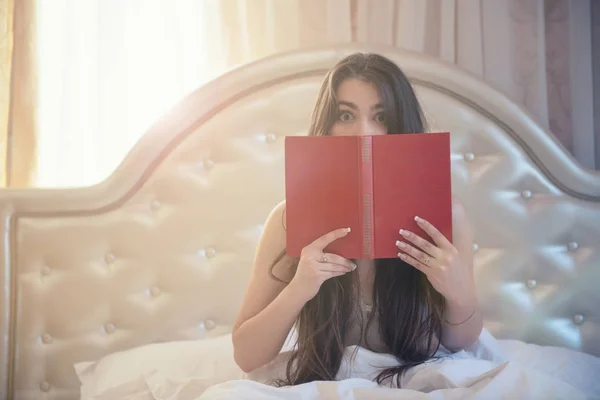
(368, 308)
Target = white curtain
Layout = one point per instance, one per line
(538, 52)
(110, 68)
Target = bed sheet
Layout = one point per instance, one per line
(491, 369)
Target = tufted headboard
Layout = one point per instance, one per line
(162, 249)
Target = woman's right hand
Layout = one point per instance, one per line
(315, 266)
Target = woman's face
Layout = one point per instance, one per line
(360, 111)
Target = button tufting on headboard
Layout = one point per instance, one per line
(269, 137)
(109, 328)
(531, 283)
(155, 205)
(45, 387)
(110, 258)
(578, 319)
(208, 252)
(46, 338)
(469, 156)
(45, 270)
(208, 324)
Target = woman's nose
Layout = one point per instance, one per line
(365, 127)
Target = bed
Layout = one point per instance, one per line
(147, 269)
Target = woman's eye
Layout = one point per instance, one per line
(380, 118)
(345, 116)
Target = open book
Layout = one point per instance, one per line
(374, 185)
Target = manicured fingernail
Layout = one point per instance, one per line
(348, 229)
(400, 244)
(404, 233)
(418, 219)
(402, 255)
(353, 267)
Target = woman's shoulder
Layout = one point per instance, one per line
(273, 243)
(273, 236)
(277, 215)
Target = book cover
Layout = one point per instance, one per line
(374, 185)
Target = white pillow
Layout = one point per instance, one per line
(125, 371)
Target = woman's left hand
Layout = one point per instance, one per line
(445, 267)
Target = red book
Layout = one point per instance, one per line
(374, 185)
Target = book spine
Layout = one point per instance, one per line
(367, 195)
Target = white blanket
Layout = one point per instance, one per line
(491, 369)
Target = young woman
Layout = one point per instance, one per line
(407, 306)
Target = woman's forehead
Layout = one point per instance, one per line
(358, 92)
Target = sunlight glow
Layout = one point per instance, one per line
(107, 71)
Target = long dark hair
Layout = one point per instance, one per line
(410, 310)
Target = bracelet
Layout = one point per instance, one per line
(460, 323)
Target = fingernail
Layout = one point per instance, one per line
(400, 244)
(418, 219)
(353, 267)
(348, 229)
(404, 233)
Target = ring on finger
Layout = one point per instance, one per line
(324, 258)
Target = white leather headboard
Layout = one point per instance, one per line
(162, 250)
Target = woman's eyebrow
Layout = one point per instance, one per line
(355, 107)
